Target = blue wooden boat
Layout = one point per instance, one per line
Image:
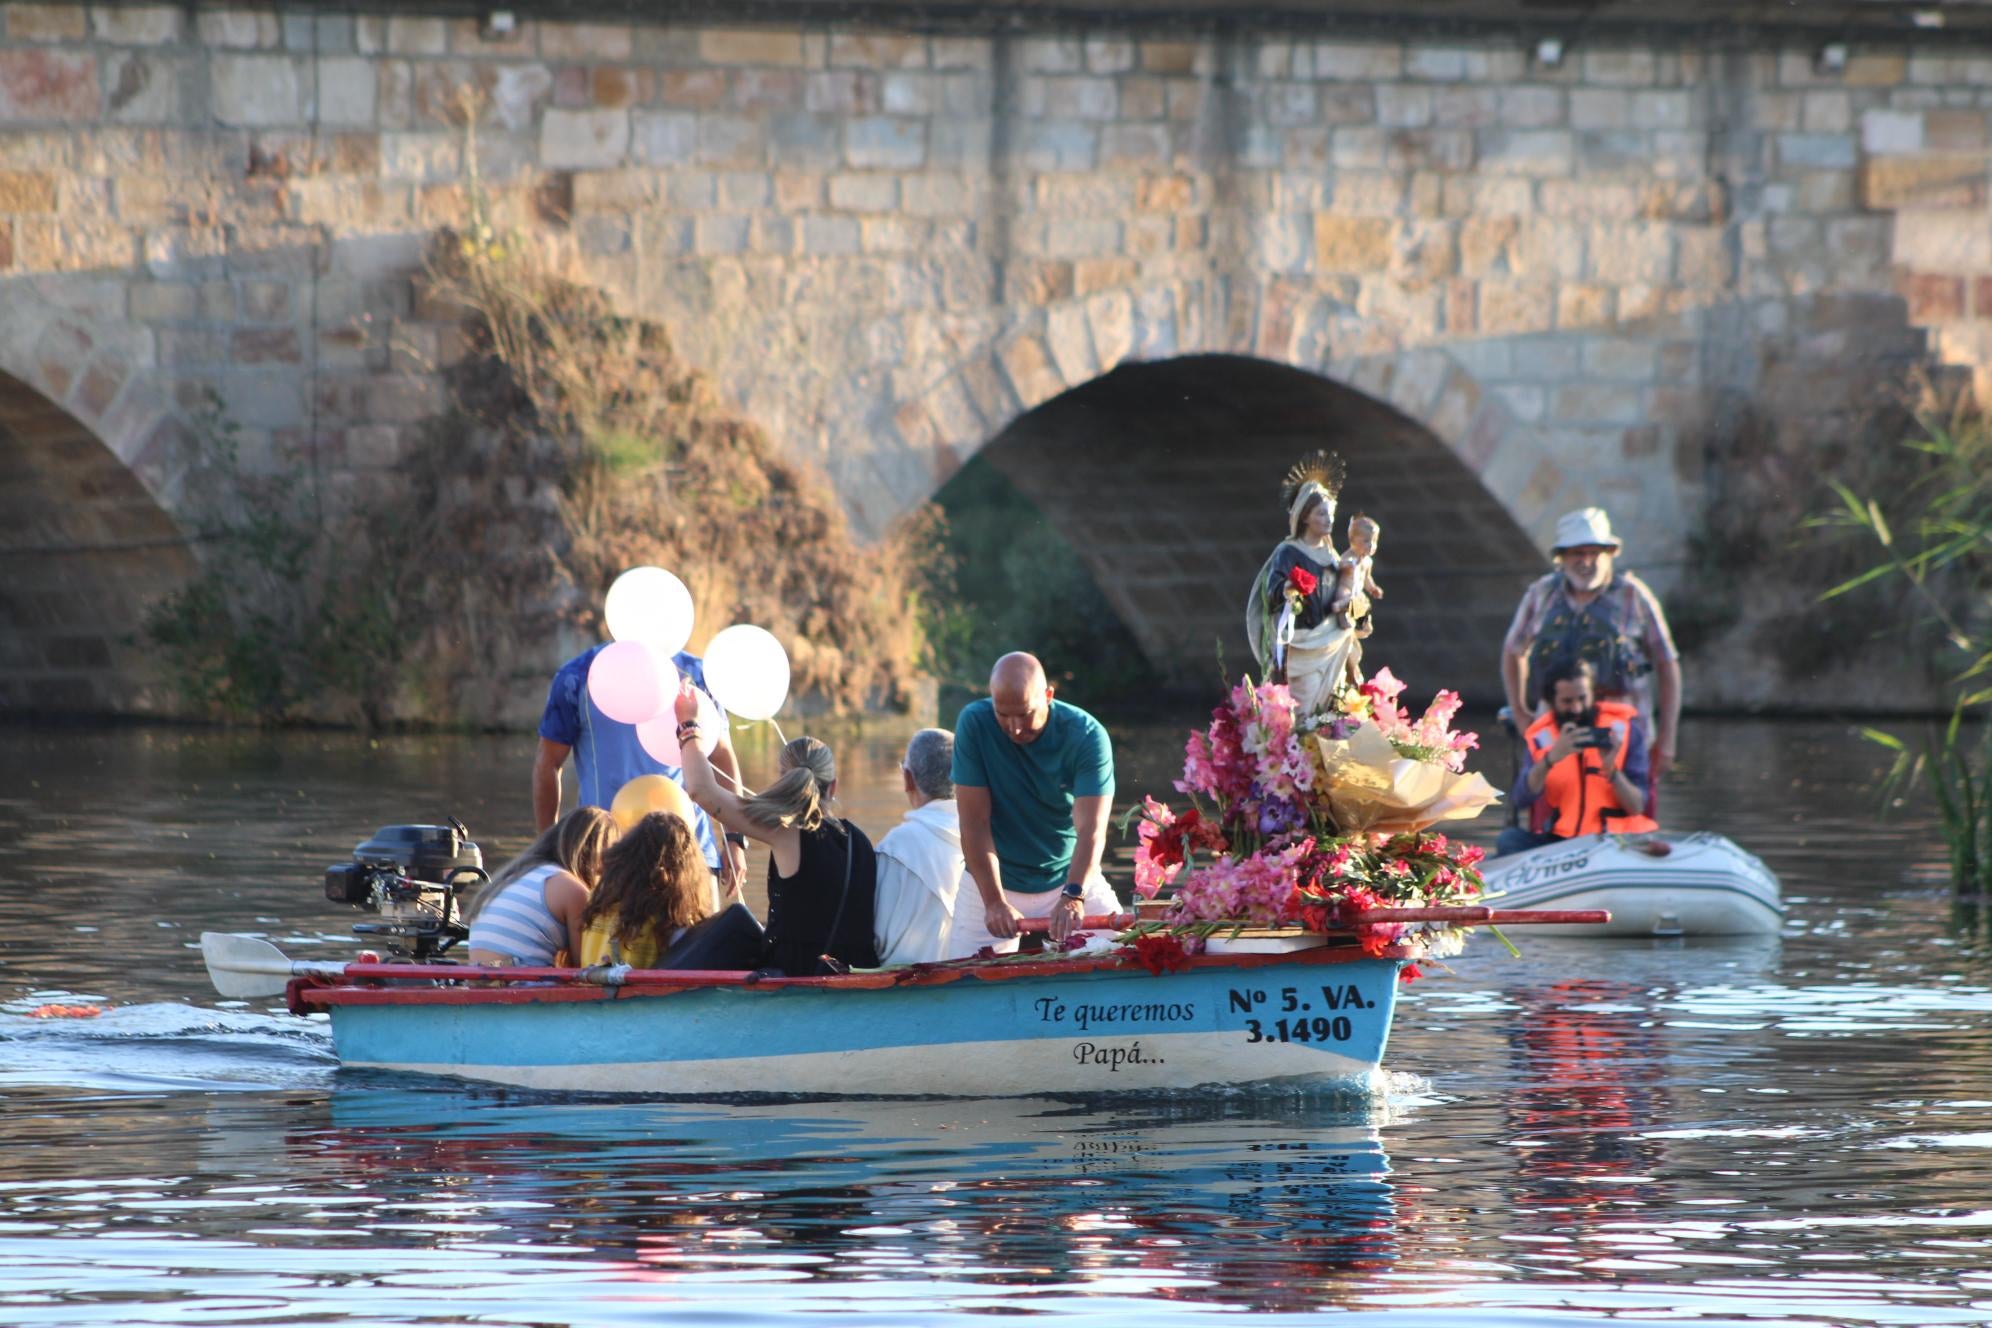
(1272, 1006)
(1080, 1023)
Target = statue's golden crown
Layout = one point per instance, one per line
(1320, 467)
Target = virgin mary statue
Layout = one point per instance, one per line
(1294, 636)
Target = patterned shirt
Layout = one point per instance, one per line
(1641, 620)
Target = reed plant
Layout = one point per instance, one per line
(1934, 536)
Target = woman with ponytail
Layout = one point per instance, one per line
(822, 876)
(654, 884)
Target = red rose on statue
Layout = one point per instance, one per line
(1302, 582)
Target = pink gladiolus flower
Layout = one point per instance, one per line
(1383, 683)
(1444, 706)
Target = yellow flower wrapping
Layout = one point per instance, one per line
(1371, 788)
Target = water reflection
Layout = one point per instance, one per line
(1232, 1200)
(1591, 1069)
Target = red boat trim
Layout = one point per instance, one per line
(307, 994)
(1480, 913)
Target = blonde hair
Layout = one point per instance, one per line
(1364, 521)
(575, 843)
(800, 798)
(654, 880)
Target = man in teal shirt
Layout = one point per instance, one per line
(1034, 781)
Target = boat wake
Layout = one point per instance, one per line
(160, 1047)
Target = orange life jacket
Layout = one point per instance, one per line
(1577, 789)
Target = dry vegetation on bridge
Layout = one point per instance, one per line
(578, 444)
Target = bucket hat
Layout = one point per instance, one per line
(1586, 525)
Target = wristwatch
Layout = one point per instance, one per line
(736, 838)
(1074, 890)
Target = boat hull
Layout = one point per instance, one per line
(1096, 1028)
(1662, 884)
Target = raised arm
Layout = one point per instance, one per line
(701, 783)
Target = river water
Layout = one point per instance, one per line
(1794, 1129)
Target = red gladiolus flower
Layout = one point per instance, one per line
(1161, 952)
(1188, 831)
(1302, 581)
(1376, 937)
(1409, 973)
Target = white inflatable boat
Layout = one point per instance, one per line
(1659, 884)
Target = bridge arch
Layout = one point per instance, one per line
(1295, 324)
(91, 466)
(1164, 477)
(1152, 428)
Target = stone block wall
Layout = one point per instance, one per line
(886, 245)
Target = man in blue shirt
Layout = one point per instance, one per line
(1034, 781)
(607, 756)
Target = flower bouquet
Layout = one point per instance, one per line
(1308, 821)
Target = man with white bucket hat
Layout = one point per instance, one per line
(1586, 609)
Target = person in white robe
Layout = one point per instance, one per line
(919, 860)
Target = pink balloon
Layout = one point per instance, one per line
(631, 683)
(659, 736)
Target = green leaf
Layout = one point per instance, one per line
(1872, 574)
(1880, 525)
(1888, 740)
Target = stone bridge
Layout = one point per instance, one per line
(1507, 263)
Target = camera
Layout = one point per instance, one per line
(413, 876)
(1588, 737)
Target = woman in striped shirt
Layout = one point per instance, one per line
(530, 913)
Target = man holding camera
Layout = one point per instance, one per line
(1586, 760)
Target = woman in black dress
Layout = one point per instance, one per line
(822, 876)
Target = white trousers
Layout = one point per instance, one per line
(970, 931)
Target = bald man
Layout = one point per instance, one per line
(1034, 781)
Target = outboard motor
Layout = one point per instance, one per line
(411, 875)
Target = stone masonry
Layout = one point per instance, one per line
(887, 245)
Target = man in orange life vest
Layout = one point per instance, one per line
(1586, 761)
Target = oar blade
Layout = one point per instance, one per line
(244, 967)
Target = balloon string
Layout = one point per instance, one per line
(778, 730)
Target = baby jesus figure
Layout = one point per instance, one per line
(1355, 586)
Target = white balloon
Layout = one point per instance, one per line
(650, 605)
(748, 671)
